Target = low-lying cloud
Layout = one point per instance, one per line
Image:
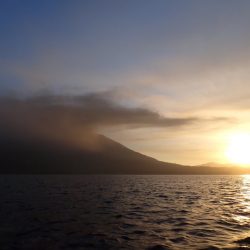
(69, 117)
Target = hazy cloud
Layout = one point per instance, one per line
(91, 110)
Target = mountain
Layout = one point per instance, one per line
(96, 155)
(218, 165)
(99, 155)
(225, 168)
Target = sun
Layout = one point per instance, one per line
(238, 150)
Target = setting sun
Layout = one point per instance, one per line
(238, 149)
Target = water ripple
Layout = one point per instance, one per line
(125, 212)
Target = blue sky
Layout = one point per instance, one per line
(178, 58)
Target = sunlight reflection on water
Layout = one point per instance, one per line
(245, 201)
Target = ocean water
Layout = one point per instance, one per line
(124, 212)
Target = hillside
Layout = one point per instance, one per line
(22, 155)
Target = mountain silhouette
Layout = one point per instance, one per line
(97, 155)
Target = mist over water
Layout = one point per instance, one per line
(124, 212)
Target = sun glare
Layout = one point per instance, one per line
(238, 150)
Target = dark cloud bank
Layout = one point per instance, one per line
(67, 118)
(87, 111)
(74, 120)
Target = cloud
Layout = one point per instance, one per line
(70, 118)
(95, 109)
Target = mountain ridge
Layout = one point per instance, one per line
(103, 156)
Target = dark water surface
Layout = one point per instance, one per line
(124, 212)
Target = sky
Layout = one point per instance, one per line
(167, 78)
